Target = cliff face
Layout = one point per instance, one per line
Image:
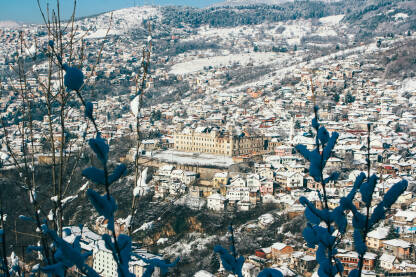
(187, 225)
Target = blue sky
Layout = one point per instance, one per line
(27, 10)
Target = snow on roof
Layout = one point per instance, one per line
(407, 264)
(397, 243)
(166, 167)
(248, 266)
(379, 233)
(203, 273)
(190, 173)
(353, 254)
(387, 258)
(267, 250)
(216, 196)
(221, 174)
(177, 171)
(143, 253)
(308, 258)
(278, 245)
(162, 240)
(87, 235)
(368, 273)
(150, 141)
(284, 270)
(409, 215)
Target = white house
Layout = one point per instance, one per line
(253, 182)
(375, 237)
(250, 270)
(295, 180)
(238, 193)
(388, 262)
(290, 180)
(103, 261)
(265, 172)
(216, 202)
(189, 177)
(165, 170)
(238, 181)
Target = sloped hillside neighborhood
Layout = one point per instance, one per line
(220, 135)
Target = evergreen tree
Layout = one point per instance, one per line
(214, 263)
(392, 234)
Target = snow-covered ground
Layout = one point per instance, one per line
(399, 16)
(332, 19)
(409, 85)
(194, 158)
(196, 241)
(219, 61)
(122, 21)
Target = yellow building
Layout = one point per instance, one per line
(213, 141)
(220, 179)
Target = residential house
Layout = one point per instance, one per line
(220, 179)
(254, 182)
(216, 202)
(397, 247)
(388, 262)
(405, 218)
(250, 270)
(265, 172)
(281, 250)
(375, 238)
(350, 260)
(266, 187)
(303, 263)
(165, 170)
(237, 193)
(290, 180)
(245, 205)
(186, 177)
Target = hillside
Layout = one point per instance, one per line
(239, 64)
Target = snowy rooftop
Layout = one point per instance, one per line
(397, 243)
(353, 254)
(379, 233)
(387, 258)
(409, 215)
(203, 273)
(278, 245)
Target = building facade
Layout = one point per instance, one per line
(203, 140)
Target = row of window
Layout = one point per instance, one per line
(196, 138)
(203, 150)
(202, 144)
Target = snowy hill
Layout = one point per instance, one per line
(123, 20)
(255, 2)
(9, 24)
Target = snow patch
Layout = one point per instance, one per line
(266, 219)
(194, 158)
(162, 241)
(332, 19)
(399, 16)
(144, 227)
(218, 61)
